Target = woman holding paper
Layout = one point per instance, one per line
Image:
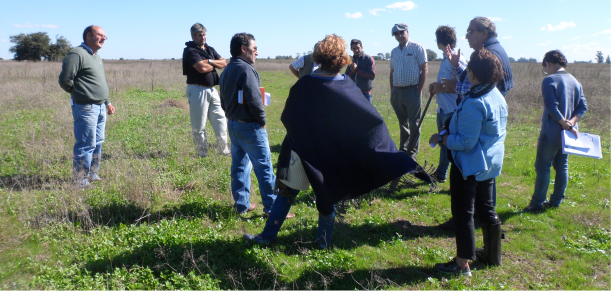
(476, 141)
(565, 105)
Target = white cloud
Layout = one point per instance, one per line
(563, 25)
(495, 18)
(28, 25)
(507, 37)
(606, 31)
(376, 10)
(574, 38)
(354, 15)
(408, 5)
(3, 40)
(376, 43)
(543, 44)
(582, 52)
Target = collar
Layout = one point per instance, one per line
(479, 90)
(406, 44)
(241, 59)
(88, 49)
(490, 42)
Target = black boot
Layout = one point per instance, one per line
(492, 252)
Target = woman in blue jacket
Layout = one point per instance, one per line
(476, 143)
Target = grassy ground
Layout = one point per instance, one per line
(162, 217)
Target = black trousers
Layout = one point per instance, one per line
(467, 195)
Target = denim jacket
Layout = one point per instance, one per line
(477, 135)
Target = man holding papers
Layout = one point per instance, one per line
(246, 125)
(565, 105)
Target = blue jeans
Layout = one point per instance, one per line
(444, 162)
(281, 208)
(367, 96)
(249, 147)
(89, 126)
(547, 156)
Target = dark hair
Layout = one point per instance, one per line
(446, 36)
(237, 41)
(330, 54)
(555, 57)
(88, 30)
(355, 41)
(485, 66)
(484, 23)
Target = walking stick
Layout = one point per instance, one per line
(425, 109)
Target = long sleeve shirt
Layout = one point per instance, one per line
(364, 73)
(241, 75)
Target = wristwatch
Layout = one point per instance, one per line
(210, 61)
(440, 139)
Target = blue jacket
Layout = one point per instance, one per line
(477, 135)
(493, 45)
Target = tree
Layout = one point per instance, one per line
(522, 60)
(387, 56)
(37, 46)
(30, 47)
(59, 50)
(297, 55)
(531, 60)
(430, 55)
(600, 57)
(381, 55)
(608, 60)
(512, 60)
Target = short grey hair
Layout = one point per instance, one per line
(484, 23)
(198, 27)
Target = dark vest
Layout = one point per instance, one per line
(308, 64)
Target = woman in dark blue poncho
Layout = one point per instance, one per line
(338, 137)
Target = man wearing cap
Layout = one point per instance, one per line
(408, 70)
(199, 64)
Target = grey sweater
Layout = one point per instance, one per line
(83, 77)
(563, 98)
(241, 75)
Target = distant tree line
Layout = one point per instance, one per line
(37, 46)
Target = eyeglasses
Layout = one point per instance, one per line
(101, 35)
(543, 69)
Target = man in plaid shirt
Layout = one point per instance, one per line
(408, 70)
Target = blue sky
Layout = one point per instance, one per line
(158, 29)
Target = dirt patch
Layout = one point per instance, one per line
(174, 103)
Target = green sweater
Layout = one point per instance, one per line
(83, 77)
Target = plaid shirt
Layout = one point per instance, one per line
(462, 87)
(406, 64)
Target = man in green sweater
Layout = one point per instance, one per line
(83, 77)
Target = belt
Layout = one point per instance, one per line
(207, 87)
(405, 87)
(241, 121)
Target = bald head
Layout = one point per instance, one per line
(94, 37)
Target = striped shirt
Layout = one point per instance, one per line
(406, 64)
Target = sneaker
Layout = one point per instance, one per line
(256, 238)
(439, 179)
(95, 178)
(531, 209)
(547, 204)
(452, 267)
(288, 215)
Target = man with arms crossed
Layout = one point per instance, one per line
(199, 64)
(83, 77)
(362, 70)
(408, 70)
(246, 126)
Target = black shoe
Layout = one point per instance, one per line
(452, 267)
(439, 179)
(530, 209)
(256, 238)
(546, 205)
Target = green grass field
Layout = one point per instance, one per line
(162, 217)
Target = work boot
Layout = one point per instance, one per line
(491, 254)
